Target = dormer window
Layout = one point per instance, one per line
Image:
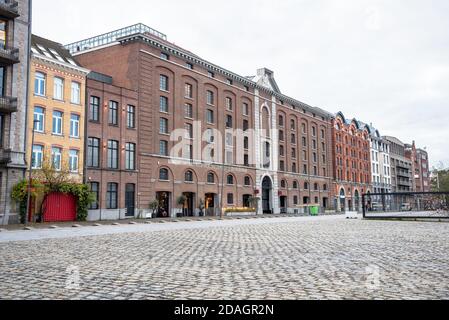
(165, 56)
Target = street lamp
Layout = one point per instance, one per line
(35, 123)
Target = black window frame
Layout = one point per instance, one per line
(130, 116)
(95, 205)
(164, 174)
(94, 108)
(113, 113)
(113, 154)
(93, 158)
(130, 156)
(112, 196)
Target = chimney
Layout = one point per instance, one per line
(265, 72)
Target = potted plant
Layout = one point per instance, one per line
(154, 206)
(201, 207)
(182, 202)
(254, 202)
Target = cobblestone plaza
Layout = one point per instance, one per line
(278, 258)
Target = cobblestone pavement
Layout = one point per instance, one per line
(287, 258)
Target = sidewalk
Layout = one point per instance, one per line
(107, 228)
(70, 224)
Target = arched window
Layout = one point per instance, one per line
(295, 200)
(283, 184)
(247, 181)
(163, 174)
(210, 177)
(188, 177)
(266, 121)
(306, 186)
(315, 187)
(246, 143)
(230, 179)
(325, 187)
(281, 121)
(295, 184)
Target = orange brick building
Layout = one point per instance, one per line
(352, 164)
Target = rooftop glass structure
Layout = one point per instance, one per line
(112, 37)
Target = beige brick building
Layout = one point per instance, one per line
(57, 110)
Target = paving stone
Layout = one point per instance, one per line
(298, 258)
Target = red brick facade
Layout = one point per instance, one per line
(352, 164)
(301, 176)
(100, 95)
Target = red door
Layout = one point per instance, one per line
(59, 207)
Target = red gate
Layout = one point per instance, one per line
(59, 207)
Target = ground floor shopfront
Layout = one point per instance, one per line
(192, 191)
(348, 196)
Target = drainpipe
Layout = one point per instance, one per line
(30, 14)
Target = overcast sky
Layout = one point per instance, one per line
(381, 61)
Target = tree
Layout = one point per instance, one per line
(440, 181)
(50, 176)
(254, 202)
(48, 179)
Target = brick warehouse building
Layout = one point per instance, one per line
(352, 162)
(175, 89)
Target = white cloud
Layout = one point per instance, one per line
(382, 61)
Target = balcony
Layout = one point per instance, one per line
(9, 9)
(404, 173)
(8, 55)
(8, 104)
(5, 157)
(405, 183)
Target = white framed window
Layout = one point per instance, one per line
(56, 156)
(163, 104)
(188, 131)
(76, 93)
(163, 82)
(210, 116)
(73, 160)
(163, 126)
(39, 84)
(58, 89)
(228, 102)
(75, 126)
(229, 157)
(229, 140)
(39, 116)
(38, 154)
(245, 109)
(188, 111)
(57, 122)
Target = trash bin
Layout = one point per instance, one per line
(314, 210)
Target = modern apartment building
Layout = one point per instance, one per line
(201, 132)
(380, 162)
(401, 166)
(15, 27)
(420, 168)
(351, 161)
